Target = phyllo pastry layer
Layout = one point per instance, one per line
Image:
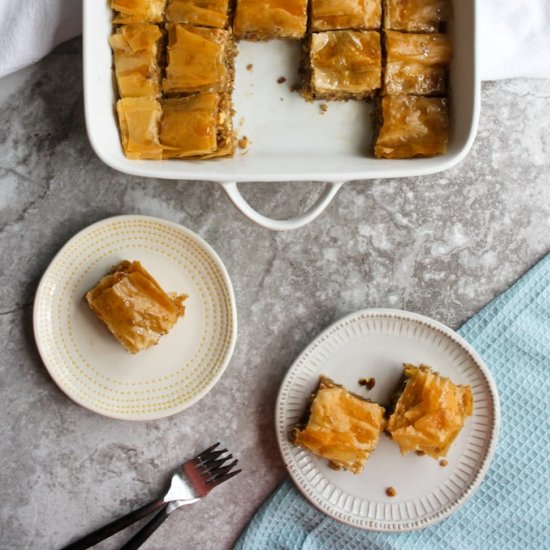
(415, 15)
(329, 15)
(429, 413)
(136, 52)
(411, 126)
(267, 19)
(416, 63)
(138, 11)
(199, 59)
(205, 13)
(345, 64)
(341, 427)
(138, 119)
(196, 126)
(134, 307)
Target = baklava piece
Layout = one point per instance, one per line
(327, 15)
(411, 126)
(269, 19)
(341, 427)
(204, 13)
(199, 59)
(415, 15)
(429, 413)
(344, 64)
(416, 64)
(138, 119)
(134, 307)
(138, 11)
(136, 52)
(197, 126)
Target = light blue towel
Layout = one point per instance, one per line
(511, 509)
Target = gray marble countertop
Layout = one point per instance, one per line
(441, 245)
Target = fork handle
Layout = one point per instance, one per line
(143, 534)
(116, 526)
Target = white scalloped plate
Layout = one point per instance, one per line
(86, 361)
(375, 343)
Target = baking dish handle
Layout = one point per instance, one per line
(330, 190)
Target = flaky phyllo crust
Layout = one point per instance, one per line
(429, 413)
(341, 427)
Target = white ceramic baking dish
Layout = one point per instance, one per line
(291, 140)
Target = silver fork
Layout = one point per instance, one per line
(192, 481)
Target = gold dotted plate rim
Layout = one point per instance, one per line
(375, 343)
(85, 360)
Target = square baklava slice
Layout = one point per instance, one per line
(327, 15)
(411, 126)
(136, 52)
(416, 63)
(204, 13)
(415, 15)
(200, 59)
(270, 19)
(344, 64)
(138, 11)
(429, 413)
(197, 126)
(134, 307)
(340, 426)
(138, 119)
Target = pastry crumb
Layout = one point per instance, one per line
(243, 142)
(391, 492)
(281, 80)
(324, 108)
(420, 453)
(443, 463)
(295, 87)
(249, 67)
(367, 382)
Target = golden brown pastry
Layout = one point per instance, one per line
(134, 307)
(138, 11)
(196, 126)
(345, 64)
(429, 413)
(412, 126)
(341, 427)
(329, 15)
(267, 19)
(416, 64)
(135, 49)
(139, 118)
(415, 15)
(198, 59)
(205, 13)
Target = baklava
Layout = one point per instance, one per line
(411, 126)
(196, 126)
(270, 19)
(204, 13)
(416, 64)
(135, 50)
(199, 59)
(415, 15)
(429, 413)
(340, 427)
(138, 118)
(134, 307)
(327, 15)
(344, 64)
(138, 11)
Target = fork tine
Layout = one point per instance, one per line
(206, 452)
(203, 459)
(225, 477)
(213, 464)
(219, 472)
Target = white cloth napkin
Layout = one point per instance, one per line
(514, 35)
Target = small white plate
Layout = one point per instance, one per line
(86, 361)
(376, 343)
